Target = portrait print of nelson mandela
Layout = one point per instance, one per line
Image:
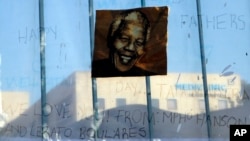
(134, 44)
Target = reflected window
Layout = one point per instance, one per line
(222, 104)
(120, 102)
(172, 104)
(202, 105)
(155, 103)
(101, 103)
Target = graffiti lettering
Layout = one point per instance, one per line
(220, 120)
(15, 109)
(27, 34)
(217, 22)
(118, 133)
(60, 110)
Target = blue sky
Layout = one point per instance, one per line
(226, 25)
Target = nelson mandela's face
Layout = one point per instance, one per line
(128, 45)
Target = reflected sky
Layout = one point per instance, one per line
(225, 24)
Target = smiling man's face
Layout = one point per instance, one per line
(129, 46)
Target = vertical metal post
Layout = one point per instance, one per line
(42, 66)
(143, 3)
(94, 85)
(149, 108)
(148, 93)
(203, 64)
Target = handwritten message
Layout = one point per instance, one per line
(116, 123)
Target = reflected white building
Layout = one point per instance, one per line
(184, 92)
(176, 92)
(13, 105)
(178, 102)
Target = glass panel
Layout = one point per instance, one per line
(180, 91)
(179, 108)
(19, 70)
(125, 114)
(226, 39)
(68, 81)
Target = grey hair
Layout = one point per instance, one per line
(129, 15)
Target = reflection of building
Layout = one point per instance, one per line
(178, 97)
(1, 110)
(71, 99)
(13, 105)
(184, 93)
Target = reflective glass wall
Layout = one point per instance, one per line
(47, 92)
